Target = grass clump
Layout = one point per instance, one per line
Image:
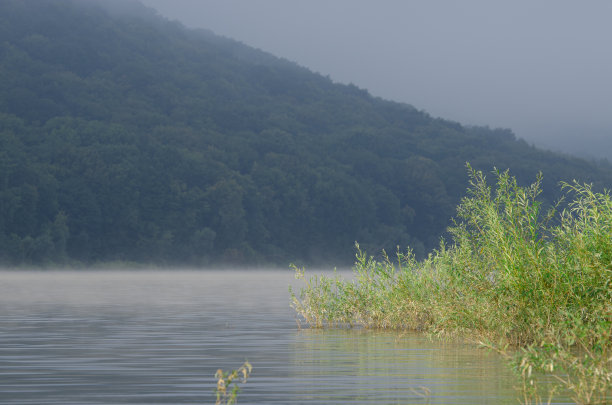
(535, 286)
(227, 383)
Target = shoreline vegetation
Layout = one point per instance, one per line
(534, 286)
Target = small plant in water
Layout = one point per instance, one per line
(227, 383)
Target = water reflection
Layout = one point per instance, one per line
(388, 368)
(158, 337)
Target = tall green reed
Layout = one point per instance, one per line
(532, 284)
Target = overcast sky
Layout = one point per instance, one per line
(540, 67)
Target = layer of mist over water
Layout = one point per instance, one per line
(137, 337)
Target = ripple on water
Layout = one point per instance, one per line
(138, 337)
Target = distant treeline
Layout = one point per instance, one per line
(126, 137)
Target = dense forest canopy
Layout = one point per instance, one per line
(127, 137)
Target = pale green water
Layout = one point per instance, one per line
(128, 337)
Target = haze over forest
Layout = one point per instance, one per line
(540, 68)
(127, 137)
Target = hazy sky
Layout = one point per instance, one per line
(540, 67)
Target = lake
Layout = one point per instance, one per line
(157, 337)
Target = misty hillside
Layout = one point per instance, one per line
(126, 137)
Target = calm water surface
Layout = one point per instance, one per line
(130, 337)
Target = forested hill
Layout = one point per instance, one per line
(126, 137)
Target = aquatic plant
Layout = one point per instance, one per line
(227, 383)
(534, 285)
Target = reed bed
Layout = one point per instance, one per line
(534, 285)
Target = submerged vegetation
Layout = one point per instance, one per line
(535, 285)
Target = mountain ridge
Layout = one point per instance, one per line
(127, 137)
